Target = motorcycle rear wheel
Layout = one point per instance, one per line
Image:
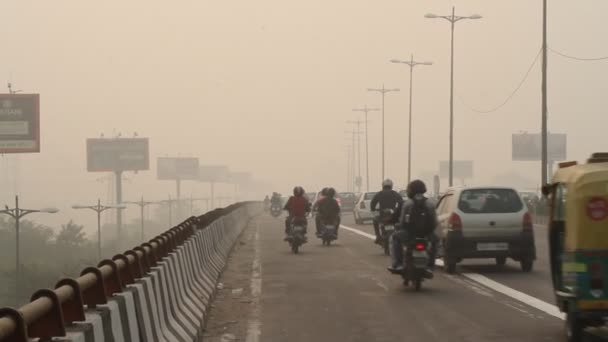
(417, 284)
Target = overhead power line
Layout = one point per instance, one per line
(578, 58)
(481, 111)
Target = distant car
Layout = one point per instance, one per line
(316, 196)
(311, 196)
(530, 198)
(362, 212)
(348, 200)
(485, 222)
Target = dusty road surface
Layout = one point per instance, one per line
(344, 293)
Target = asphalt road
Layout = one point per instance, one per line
(344, 293)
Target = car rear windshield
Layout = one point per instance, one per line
(369, 196)
(489, 201)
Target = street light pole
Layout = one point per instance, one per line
(366, 110)
(411, 63)
(452, 19)
(359, 179)
(544, 156)
(383, 91)
(17, 213)
(99, 209)
(142, 204)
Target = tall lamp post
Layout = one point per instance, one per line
(382, 91)
(453, 19)
(17, 213)
(411, 63)
(98, 208)
(142, 205)
(366, 110)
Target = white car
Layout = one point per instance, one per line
(485, 222)
(362, 210)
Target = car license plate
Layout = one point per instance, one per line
(493, 246)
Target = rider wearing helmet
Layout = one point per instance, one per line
(297, 207)
(385, 199)
(275, 200)
(418, 219)
(328, 210)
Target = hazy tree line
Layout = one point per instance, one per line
(49, 254)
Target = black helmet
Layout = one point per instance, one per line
(416, 187)
(298, 191)
(331, 192)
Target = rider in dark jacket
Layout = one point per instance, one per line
(422, 226)
(386, 199)
(328, 210)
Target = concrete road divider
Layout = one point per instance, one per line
(159, 291)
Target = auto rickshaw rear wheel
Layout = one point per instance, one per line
(501, 261)
(526, 265)
(574, 327)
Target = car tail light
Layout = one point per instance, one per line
(362, 205)
(597, 278)
(527, 223)
(455, 223)
(420, 246)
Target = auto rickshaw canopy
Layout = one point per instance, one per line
(580, 200)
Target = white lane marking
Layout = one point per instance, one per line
(534, 302)
(357, 231)
(547, 308)
(254, 328)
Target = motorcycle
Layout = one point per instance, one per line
(416, 260)
(328, 233)
(387, 228)
(275, 210)
(297, 235)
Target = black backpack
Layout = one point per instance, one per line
(418, 221)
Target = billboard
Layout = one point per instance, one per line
(527, 147)
(179, 168)
(19, 123)
(117, 154)
(214, 173)
(463, 169)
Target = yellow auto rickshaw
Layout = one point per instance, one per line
(578, 242)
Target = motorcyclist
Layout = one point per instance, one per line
(385, 199)
(266, 203)
(276, 199)
(418, 219)
(297, 207)
(328, 210)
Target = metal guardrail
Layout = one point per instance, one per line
(50, 311)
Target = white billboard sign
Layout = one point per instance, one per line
(528, 147)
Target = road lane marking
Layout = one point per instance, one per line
(254, 328)
(534, 302)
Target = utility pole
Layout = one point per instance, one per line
(366, 110)
(453, 19)
(17, 213)
(354, 134)
(544, 157)
(411, 63)
(382, 91)
(98, 208)
(359, 180)
(142, 204)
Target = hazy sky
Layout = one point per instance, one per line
(266, 86)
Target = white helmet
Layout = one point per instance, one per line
(387, 183)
